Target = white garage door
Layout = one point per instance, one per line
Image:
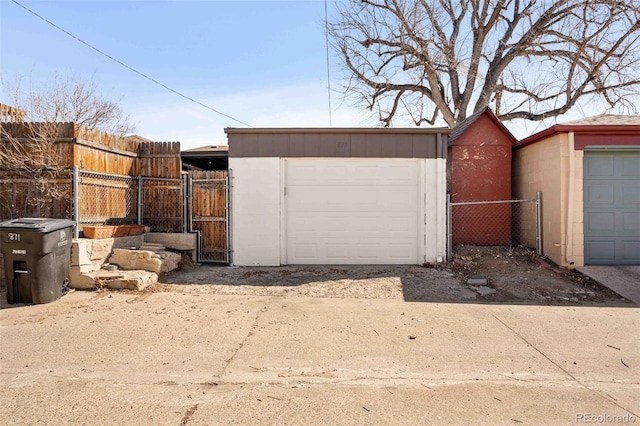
(352, 211)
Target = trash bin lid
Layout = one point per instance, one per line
(36, 224)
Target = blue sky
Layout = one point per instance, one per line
(262, 62)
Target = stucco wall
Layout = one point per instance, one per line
(544, 166)
(577, 250)
(257, 215)
(539, 167)
(435, 201)
(255, 211)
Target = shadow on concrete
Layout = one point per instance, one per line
(412, 283)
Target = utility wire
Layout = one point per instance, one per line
(128, 67)
(326, 37)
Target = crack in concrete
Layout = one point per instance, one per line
(187, 416)
(241, 345)
(600, 394)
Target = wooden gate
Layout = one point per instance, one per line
(209, 214)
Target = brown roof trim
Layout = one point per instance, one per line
(581, 128)
(338, 144)
(335, 130)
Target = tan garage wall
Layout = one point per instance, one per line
(545, 166)
(576, 252)
(537, 167)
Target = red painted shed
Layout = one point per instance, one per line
(479, 163)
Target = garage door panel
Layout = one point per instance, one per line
(629, 250)
(400, 224)
(310, 173)
(631, 222)
(365, 223)
(600, 251)
(368, 213)
(600, 165)
(611, 208)
(631, 166)
(305, 251)
(400, 251)
(630, 193)
(601, 222)
(602, 193)
(352, 198)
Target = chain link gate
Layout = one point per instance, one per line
(209, 215)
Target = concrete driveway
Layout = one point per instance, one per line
(178, 358)
(623, 279)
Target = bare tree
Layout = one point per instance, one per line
(528, 59)
(39, 118)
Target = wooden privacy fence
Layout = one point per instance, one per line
(21, 196)
(107, 179)
(198, 202)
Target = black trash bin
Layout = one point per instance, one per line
(37, 255)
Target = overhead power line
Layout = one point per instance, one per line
(326, 39)
(128, 67)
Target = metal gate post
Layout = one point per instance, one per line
(190, 197)
(140, 201)
(227, 187)
(539, 222)
(76, 204)
(185, 200)
(449, 230)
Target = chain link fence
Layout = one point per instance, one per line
(48, 195)
(507, 223)
(163, 205)
(116, 200)
(92, 198)
(106, 199)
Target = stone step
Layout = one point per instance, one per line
(153, 261)
(116, 280)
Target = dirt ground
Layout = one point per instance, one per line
(514, 275)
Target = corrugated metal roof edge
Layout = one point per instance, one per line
(335, 130)
(582, 128)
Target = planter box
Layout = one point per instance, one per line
(135, 229)
(120, 231)
(109, 231)
(98, 231)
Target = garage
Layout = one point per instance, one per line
(611, 207)
(337, 196)
(587, 171)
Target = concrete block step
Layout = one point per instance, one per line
(153, 261)
(116, 280)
